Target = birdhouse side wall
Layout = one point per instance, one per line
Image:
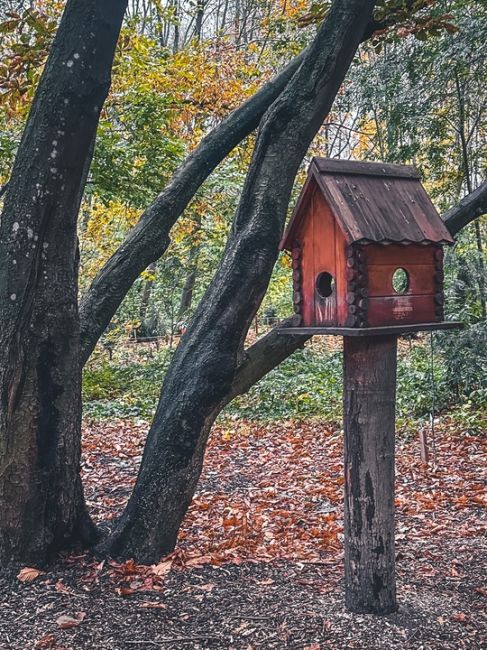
(422, 300)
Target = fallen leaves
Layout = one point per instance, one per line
(66, 622)
(275, 491)
(162, 568)
(46, 642)
(27, 574)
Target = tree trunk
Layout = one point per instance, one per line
(41, 498)
(145, 301)
(369, 423)
(200, 11)
(204, 366)
(187, 293)
(149, 239)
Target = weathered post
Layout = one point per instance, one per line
(369, 423)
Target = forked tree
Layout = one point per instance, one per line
(45, 337)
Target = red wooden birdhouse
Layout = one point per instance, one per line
(367, 247)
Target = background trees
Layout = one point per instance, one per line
(178, 72)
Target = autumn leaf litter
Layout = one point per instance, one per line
(259, 563)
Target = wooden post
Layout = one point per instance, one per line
(369, 423)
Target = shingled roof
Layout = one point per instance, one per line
(372, 202)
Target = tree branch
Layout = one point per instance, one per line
(471, 207)
(149, 239)
(265, 355)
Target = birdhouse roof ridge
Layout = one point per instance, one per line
(371, 202)
(364, 168)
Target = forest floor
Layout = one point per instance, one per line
(259, 563)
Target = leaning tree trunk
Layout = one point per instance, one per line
(204, 366)
(149, 239)
(41, 498)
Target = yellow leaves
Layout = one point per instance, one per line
(366, 131)
(105, 228)
(25, 39)
(208, 81)
(285, 262)
(148, 275)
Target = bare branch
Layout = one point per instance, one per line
(471, 207)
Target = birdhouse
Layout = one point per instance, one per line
(367, 247)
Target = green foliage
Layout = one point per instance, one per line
(124, 389)
(464, 355)
(308, 385)
(305, 385)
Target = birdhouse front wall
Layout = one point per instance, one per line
(319, 267)
(394, 284)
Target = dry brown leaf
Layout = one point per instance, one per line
(125, 591)
(162, 568)
(152, 604)
(60, 586)
(208, 587)
(46, 642)
(66, 622)
(199, 561)
(27, 574)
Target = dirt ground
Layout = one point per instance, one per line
(259, 564)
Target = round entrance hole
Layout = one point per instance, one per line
(325, 284)
(400, 281)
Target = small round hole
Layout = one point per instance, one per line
(400, 281)
(325, 284)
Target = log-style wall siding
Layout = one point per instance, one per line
(439, 287)
(357, 287)
(297, 281)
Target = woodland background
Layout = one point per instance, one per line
(414, 96)
(259, 556)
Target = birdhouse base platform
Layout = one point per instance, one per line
(386, 330)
